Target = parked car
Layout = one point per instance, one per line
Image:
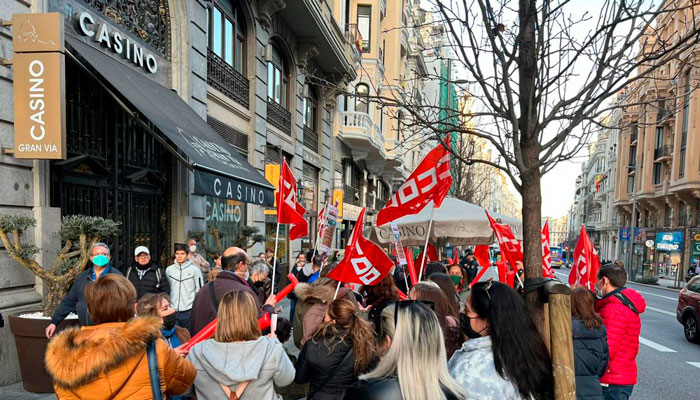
(688, 311)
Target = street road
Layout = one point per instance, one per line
(669, 366)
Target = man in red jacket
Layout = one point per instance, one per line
(620, 308)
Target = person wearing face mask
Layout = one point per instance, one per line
(197, 258)
(75, 299)
(146, 274)
(158, 305)
(620, 308)
(505, 357)
(234, 277)
(259, 279)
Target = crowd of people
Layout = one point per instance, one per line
(453, 338)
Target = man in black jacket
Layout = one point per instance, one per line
(147, 275)
(100, 264)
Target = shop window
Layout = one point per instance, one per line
(364, 25)
(226, 34)
(277, 78)
(361, 99)
(224, 219)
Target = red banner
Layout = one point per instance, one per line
(547, 270)
(363, 261)
(511, 249)
(481, 253)
(429, 182)
(289, 211)
(586, 262)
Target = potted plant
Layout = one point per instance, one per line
(77, 233)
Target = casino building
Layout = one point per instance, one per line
(176, 112)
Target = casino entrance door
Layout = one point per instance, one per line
(115, 169)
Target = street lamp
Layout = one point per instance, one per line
(301, 190)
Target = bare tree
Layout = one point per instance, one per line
(474, 183)
(541, 75)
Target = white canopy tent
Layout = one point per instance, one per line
(456, 222)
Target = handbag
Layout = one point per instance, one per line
(153, 370)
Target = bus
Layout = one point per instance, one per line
(557, 256)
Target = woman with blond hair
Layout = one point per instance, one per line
(447, 316)
(238, 359)
(342, 348)
(415, 367)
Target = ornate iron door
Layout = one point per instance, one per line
(114, 170)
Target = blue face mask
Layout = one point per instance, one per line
(100, 260)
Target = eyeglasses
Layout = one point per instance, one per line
(406, 303)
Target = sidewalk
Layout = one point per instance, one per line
(17, 392)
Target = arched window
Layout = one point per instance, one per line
(226, 33)
(277, 77)
(361, 99)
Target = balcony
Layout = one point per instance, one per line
(313, 20)
(664, 153)
(361, 134)
(631, 168)
(311, 138)
(633, 138)
(279, 117)
(379, 204)
(370, 200)
(351, 195)
(665, 116)
(224, 78)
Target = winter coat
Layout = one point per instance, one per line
(317, 363)
(590, 359)
(473, 367)
(185, 281)
(153, 281)
(263, 292)
(311, 308)
(108, 361)
(380, 389)
(203, 311)
(623, 327)
(75, 299)
(200, 262)
(263, 362)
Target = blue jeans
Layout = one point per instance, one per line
(617, 392)
(292, 307)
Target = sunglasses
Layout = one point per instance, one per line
(406, 303)
(488, 285)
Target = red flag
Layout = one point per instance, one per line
(547, 271)
(429, 182)
(411, 268)
(455, 256)
(586, 262)
(363, 261)
(511, 249)
(321, 219)
(289, 211)
(432, 255)
(481, 253)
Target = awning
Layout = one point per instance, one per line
(219, 170)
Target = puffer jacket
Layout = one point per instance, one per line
(311, 308)
(262, 362)
(185, 281)
(317, 361)
(108, 361)
(474, 368)
(381, 389)
(590, 359)
(623, 327)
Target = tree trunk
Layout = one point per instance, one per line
(56, 291)
(532, 231)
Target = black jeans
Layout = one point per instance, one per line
(617, 392)
(184, 319)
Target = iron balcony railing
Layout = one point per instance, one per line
(664, 151)
(351, 195)
(279, 117)
(311, 138)
(224, 78)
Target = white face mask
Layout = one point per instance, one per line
(247, 276)
(193, 248)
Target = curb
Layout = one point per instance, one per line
(655, 286)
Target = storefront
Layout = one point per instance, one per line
(133, 146)
(669, 250)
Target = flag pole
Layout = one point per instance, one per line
(336, 291)
(277, 234)
(425, 248)
(320, 233)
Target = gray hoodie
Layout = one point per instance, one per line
(262, 362)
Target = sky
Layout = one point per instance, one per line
(558, 188)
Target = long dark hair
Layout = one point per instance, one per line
(583, 307)
(430, 291)
(448, 288)
(519, 353)
(345, 322)
(384, 290)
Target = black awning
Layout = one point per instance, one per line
(219, 170)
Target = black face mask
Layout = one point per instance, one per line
(169, 322)
(464, 323)
(259, 284)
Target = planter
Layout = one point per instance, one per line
(31, 345)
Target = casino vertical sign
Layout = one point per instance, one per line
(39, 86)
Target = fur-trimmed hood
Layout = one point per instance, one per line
(77, 356)
(314, 293)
